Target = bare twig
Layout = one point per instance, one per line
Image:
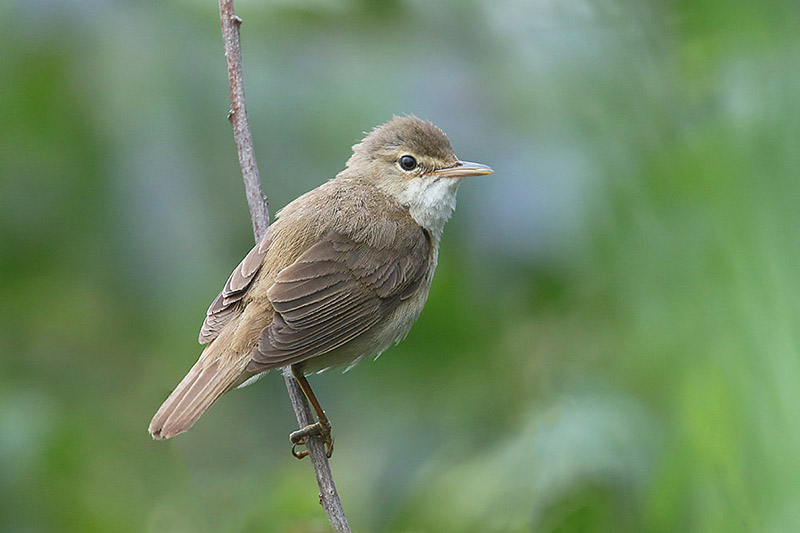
(238, 117)
(259, 212)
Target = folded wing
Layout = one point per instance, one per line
(224, 306)
(335, 291)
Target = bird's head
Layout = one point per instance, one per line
(412, 161)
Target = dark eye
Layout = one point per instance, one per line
(407, 162)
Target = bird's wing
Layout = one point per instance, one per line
(224, 307)
(335, 291)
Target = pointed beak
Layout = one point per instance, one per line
(463, 169)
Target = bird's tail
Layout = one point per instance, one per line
(212, 375)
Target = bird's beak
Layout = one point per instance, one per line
(463, 169)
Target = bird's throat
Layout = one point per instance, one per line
(431, 203)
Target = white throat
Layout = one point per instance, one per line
(431, 202)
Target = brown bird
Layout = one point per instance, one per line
(341, 275)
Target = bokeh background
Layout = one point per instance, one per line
(611, 342)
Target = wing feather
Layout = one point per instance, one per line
(335, 291)
(225, 305)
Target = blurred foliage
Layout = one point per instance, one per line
(611, 342)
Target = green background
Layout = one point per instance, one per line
(611, 341)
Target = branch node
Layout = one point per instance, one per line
(231, 114)
(236, 20)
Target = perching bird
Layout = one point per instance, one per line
(341, 275)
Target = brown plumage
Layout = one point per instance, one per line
(341, 275)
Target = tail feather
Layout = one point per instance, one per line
(212, 375)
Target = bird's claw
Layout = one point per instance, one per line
(319, 429)
(298, 454)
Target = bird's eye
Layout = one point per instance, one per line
(407, 162)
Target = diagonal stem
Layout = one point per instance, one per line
(259, 213)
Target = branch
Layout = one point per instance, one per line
(256, 199)
(259, 213)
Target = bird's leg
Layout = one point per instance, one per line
(321, 428)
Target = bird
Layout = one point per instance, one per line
(340, 276)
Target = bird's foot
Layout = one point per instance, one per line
(319, 429)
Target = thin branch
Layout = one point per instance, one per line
(259, 213)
